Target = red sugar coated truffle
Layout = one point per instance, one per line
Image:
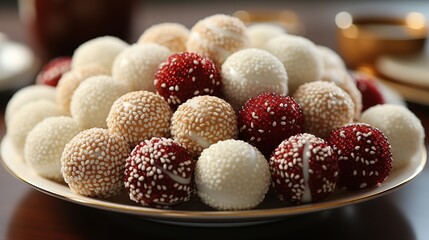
(364, 155)
(158, 173)
(53, 71)
(304, 168)
(371, 95)
(185, 75)
(268, 119)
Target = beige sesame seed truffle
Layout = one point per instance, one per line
(300, 58)
(325, 107)
(92, 100)
(171, 35)
(217, 37)
(137, 64)
(93, 163)
(139, 116)
(202, 121)
(71, 80)
(27, 117)
(101, 51)
(27, 95)
(232, 175)
(45, 144)
(261, 33)
(249, 72)
(403, 130)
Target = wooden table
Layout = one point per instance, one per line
(28, 214)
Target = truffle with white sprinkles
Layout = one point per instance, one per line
(171, 35)
(93, 163)
(158, 173)
(232, 175)
(45, 144)
(140, 115)
(202, 121)
(325, 107)
(304, 168)
(249, 72)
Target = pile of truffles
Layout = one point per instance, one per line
(222, 112)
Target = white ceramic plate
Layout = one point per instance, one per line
(197, 214)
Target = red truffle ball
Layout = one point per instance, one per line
(364, 155)
(53, 71)
(268, 119)
(158, 173)
(185, 75)
(304, 168)
(371, 94)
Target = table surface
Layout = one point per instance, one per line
(28, 214)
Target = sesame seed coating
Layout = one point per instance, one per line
(249, 72)
(232, 175)
(325, 107)
(140, 115)
(93, 162)
(217, 37)
(261, 33)
(45, 144)
(92, 100)
(171, 35)
(202, 121)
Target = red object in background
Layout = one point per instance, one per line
(57, 27)
(53, 71)
(371, 94)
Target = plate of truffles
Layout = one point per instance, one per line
(203, 128)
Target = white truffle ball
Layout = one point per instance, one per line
(261, 33)
(26, 95)
(249, 72)
(232, 175)
(101, 51)
(330, 59)
(171, 35)
(300, 58)
(45, 144)
(137, 65)
(402, 128)
(92, 100)
(27, 117)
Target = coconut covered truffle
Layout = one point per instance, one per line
(217, 37)
(92, 100)
(330, 59)
(27, 117)
(100, 50)
(232, 175)
(261, 33)
(45, 144)
(137, 64)
(26, 95)
(71, 80)
(401, 127)
(171, 35)
(158, 173)
(300, 58)
(93, 163)
(325, 107)
(249, 72)
(202, 121)
(140, 115)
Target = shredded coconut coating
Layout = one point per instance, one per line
(45, 144)
(300, 58)
(403, 130)
(137, 64)
(171, 35)
(92, 100)
(217, 37)
(249, 72)
(232, 175)
(71, 80)
(325, 107)
(27, 117)
(140, 115)
(26, 95)
(261, 33)
(93, 163)
(202, 121)
(100, 50)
